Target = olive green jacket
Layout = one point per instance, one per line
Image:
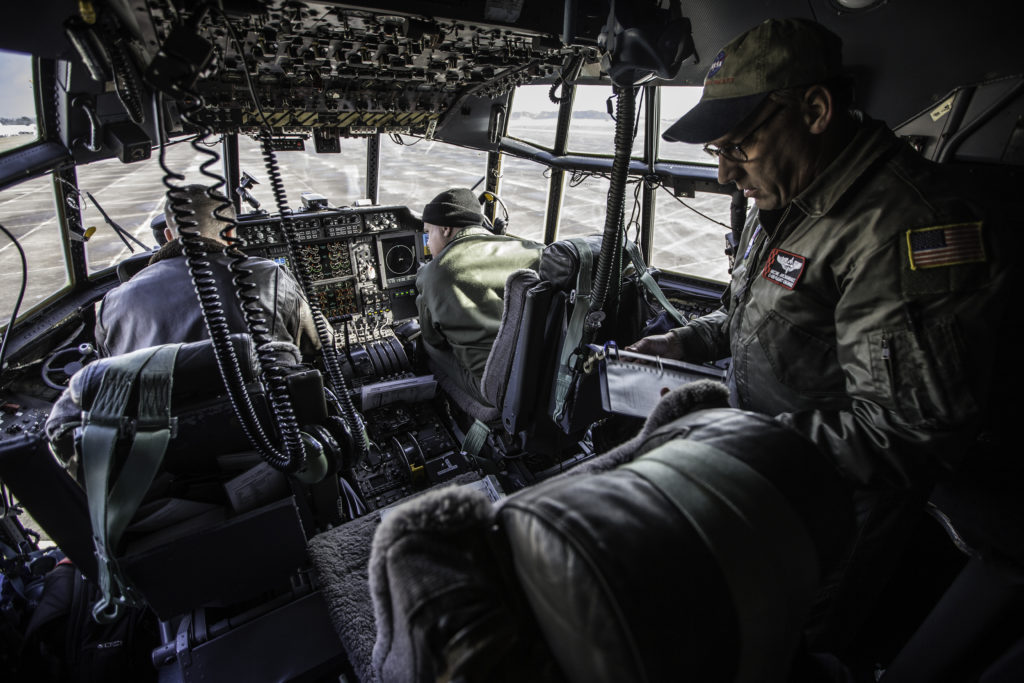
(850, 321)
(461, 293)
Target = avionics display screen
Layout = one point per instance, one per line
(398, 256)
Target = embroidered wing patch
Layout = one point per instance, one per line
(784, 268)
(945, 245)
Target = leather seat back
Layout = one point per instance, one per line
(521, 368)
(697, 561)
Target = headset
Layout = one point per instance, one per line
(500, 224)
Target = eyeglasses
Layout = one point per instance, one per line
(736, 152)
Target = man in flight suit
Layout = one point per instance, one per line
(461, 291)
(867, 298)
(159, 304)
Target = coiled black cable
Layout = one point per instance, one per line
(332, 364)
(566, 77)
(609, 261)
(292, 458)
(255, 315)
(247, 294)
(335, 378)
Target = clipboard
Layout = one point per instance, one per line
(633, 383)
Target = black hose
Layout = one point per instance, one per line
(335, 378)
(216, 322)
(609, 262)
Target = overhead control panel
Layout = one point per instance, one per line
(343, 71)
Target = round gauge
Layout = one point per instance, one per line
(399, 259)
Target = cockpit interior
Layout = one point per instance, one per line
(244, 552)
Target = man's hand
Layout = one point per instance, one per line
(664, 345)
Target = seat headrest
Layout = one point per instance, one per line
(195, 375)
(560, 261)
(693, 516)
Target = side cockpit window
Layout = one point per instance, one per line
(27, 209)
(28, 213)
(17, 102)
(690, 233)
(128, 195)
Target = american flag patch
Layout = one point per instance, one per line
(945, 245)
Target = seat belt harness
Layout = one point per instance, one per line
(651, 285)
(112, 504)
(574, 332)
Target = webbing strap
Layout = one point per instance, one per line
(574, 331)
(112, 504)
(758, 541)
(475, 439)
(153, 431)
(651, 285)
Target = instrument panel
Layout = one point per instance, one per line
(362, 262)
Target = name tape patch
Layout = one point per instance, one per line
(945, 245)
(784, 268)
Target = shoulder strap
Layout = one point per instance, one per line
(574, 332)
(113, 503)
(650, 284)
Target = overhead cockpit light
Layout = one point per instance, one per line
(857, 5)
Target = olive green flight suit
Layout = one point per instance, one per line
(461, 297)
(872, 317)
(882, 362)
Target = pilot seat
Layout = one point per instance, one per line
(183, 517)
(691, 552)
(522, 373)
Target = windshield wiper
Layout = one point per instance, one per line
(121, 232)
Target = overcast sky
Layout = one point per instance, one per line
(16, 85)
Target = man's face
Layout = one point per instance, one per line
(780, 155)
(436, 238)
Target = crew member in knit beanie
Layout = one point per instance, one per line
(461, 290)
(447, 214)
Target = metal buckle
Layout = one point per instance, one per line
(171, 424)
(121, 423)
